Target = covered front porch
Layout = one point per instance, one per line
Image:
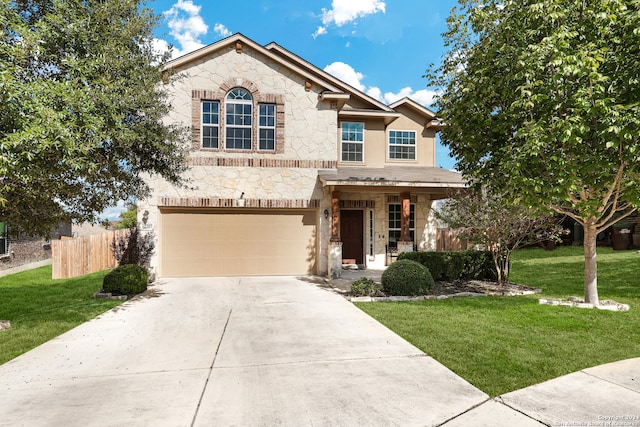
(376, 213)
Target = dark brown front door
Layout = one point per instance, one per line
(352, 236)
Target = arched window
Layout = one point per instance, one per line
(238, 114)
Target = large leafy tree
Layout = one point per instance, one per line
(541, 99)
(81, 110)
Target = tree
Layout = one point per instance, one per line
(542, 102)
(81, 110)
(487, 218)
(128, 218)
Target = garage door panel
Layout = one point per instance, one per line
(237, 244)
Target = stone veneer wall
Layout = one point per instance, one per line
(285, 177)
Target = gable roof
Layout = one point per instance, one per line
(187, 59)
(274, 47)
(333, 88)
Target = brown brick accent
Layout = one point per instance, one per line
(262, 163)
(357, 204)
(214, 202)
(198, 95)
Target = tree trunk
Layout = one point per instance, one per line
(590, 264)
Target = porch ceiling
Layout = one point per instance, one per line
(394, 178)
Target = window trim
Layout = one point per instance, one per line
(267, 127)
(412, 230)
(415, 145)
(218, 94)
(227, 127)
(204, 125)
(342, 142)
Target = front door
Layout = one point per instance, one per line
(352, 236)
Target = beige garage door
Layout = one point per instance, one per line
(234, 243)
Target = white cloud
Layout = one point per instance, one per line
(221, 30)
(345, 11)
(113, 213)
(424, 97)
(347, 74)
(320, 31)
(186, 25)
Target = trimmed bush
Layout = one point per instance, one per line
(406, 277)
(127, 279)
(455, 262)
(365, 287)
(450, 266)
(479, 265)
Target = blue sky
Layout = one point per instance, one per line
(381, 47)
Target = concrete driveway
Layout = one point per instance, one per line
(231, 351)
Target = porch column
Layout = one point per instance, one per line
(335, 216)
(405, 215)
(335, 245)
(405, 244)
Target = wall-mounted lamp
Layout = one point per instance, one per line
(145, 217)
(326, 214)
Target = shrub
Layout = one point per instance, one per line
(406, 277)
(365, 287)
(134, 248)
(127, 279)
(455, 262)
(451, 266)
(434, 261)
(479, 265)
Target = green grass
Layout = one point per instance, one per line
(501, 344)
(40, 308)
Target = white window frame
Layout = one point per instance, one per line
(204, 125)
(269, 126)
(230, 100)
(347, 141)
(403, 145)
(412, 230)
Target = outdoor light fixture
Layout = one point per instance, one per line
(326, 214)
(145, 217)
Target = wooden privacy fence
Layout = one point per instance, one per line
(448, 240)
(83, 255)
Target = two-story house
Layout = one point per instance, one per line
(292, 171)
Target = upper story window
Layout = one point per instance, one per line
(237, 117)
(210, 124)
(238, 113)
(352, 142)
(267, 127)
(402, 145)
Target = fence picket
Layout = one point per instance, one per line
(83, 255)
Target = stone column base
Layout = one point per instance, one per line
(405, 247)
(335, 260)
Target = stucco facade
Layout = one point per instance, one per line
(291, 159)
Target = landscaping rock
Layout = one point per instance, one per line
(109, 296)
(4, 324)
(579, 303)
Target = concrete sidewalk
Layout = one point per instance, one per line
(270, 351)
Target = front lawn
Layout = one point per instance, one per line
(500, 344)
(40, 308)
